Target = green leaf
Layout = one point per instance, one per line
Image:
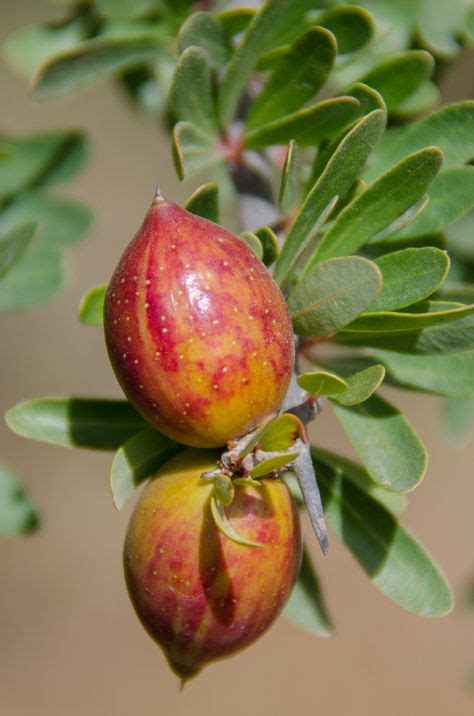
(336, 179)
(136, 460)
(450, 375)
(460, 241)
(224, 489)
(352, 26)
(280, 433)
(62, 221)
(273, 463)
(91, 60)
(439, 26)
(393, 502)
(126, 9)
(39, 160)
(297, 78)
(409, 275)
(287, 193)
(309, 126)
(13, 245)
(193, 150)
(380, 204)
(17, 514)
(205, 202)
(204, 30)
(223, 525)
(451, 197)
(91, 308)
(35, 278)
(458, 417)
(306, 605)
(395, 561)
(76, 422)
(236, 19)
(276, 433)
(276, 23)
(385, 441)
(190, 94)
(29, 46)
(253, 241)
(333, 294)
(452, 337)
(269, 242)
(387, 234)
(322, 383)
(360, 386)
(421, 101)
(370, 100)
(450, 129)
(397, 77)
(427, 313)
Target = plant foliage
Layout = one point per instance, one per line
(367, 229)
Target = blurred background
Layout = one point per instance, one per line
(70, 641)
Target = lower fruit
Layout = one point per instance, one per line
(198, 594)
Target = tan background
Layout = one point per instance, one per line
(69, 641)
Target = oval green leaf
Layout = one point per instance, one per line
(322, 383)
(205, 202)
(138, 459)
(297, 78)
(338, 175)
(380, 204)
(76, 422)
(394, 561)
(309, 126)
(332, 294)
(361, 386)
(385, 441)
(409, 276)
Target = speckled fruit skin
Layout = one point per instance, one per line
(197, 593)
(197, 331)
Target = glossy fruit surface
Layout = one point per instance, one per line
(197, 593)
(198, 333)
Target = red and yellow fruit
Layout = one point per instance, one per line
(197, 593)
(198, 333)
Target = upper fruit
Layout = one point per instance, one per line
(198, 333)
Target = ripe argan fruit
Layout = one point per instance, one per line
(197, 331)
(198, 594)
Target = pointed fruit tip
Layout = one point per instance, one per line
(158, 198)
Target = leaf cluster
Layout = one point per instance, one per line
(36, 226)
(293, 98)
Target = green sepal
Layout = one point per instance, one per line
(223, 489)
(223, 525)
